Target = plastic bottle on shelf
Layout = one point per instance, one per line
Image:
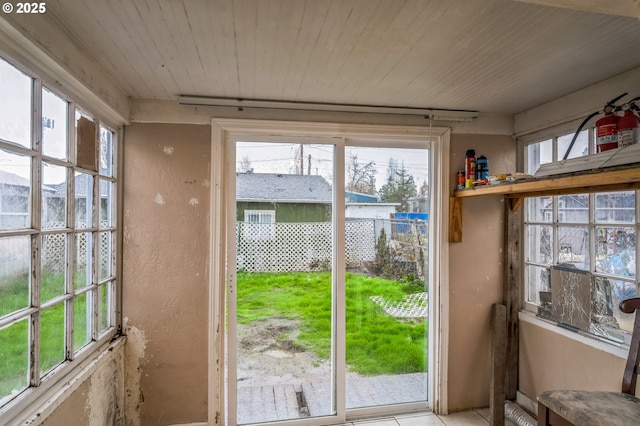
(482, 168)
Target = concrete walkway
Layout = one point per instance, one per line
(257, 404)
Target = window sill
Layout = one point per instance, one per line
(619, 350)
(34, 405)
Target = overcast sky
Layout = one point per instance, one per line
(280, 158)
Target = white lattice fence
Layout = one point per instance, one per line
(282, 247)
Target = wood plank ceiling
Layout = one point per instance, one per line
(492, 56)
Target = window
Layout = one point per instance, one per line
(259, 225)
(580, 250)
(57, 234)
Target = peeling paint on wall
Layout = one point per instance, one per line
(133, 363)
(159, 199)
(194, 202)
(104, 404)
(168, 150)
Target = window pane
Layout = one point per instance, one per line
(537, 154)
(54, 255)
(616, 207)
(15, 104)
(54, 196)
(84, 200)
(106, 152)
(14, 358)
(51, 337)
(15, 191)
(83, 249)
(15, 255)
(81, 321)
(106, 204)
(540, 242)
(106, 258)
(621, 290)
(573, 246)
(54, 125)
(539, 288)
(573, 208)
(540, 209)
(580, 146)
(104, 303)
(616, 251)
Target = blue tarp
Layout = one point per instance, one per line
(403, 222)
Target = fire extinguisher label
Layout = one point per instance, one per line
(607, 133)
(628, 137)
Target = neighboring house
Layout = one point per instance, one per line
(573, 241)
(14, 201)
(418, 204)
(366, 206)
(275, 197)
(83, 187)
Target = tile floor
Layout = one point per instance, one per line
(467, 418)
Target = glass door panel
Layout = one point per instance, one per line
(386, 258)
(283, 308)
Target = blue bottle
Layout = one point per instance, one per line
(482, 168)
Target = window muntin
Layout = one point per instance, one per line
(54, 220)
(595, 233)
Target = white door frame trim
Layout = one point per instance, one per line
(221, 129)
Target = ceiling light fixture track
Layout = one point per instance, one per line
(242, 104)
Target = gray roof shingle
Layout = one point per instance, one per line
(282, 187)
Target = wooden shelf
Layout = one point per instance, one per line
(619, 178)
(613, 179)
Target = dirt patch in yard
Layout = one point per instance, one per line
(268, 354)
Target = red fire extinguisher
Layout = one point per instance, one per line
(606, 128)
(629, 125)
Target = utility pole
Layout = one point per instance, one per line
(309, 165)
(301, 160)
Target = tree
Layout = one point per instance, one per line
(245, 165)
(400, 186)
(361, 177)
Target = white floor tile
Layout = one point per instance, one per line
(419, 420)
(377, 422)
(467, 418)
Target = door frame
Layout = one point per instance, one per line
(221, 131)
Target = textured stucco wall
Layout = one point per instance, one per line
(165, 268)
(475, 275)
(549, 360)
(99, 399)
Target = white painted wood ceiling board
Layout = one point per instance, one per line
(494, 56)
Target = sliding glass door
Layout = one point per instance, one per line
(386, 263)
(328, 294)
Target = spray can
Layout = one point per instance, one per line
(460, 183)
(482, 168)
(469, 168)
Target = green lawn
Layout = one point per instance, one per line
(376, 343)
(14, 340)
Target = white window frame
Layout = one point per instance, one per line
(557, 220)
(251, 232)
(41, 388)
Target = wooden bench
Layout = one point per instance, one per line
(601, 408)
